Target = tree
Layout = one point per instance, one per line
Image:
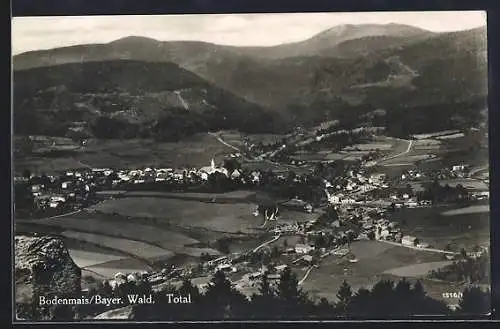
(371, 235)
(408, 189)
(361, 303)
(290, 297)
(418, 290)
(187, 288)
(344, 297)
(263, 303)
(222, 301)
(275, 252)
(330, 215)
(23, 198)
(382, 298)
(223, 245)
(26, 174)
(403, 294)
(475, 301)
(231, 165)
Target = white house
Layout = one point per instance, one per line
(255, 177)
(334, 199)
(308, 208)
(235, 174)
(36, 188)
(408, 240)
(303, 248)
(54, 204)
(58, 198)
(226, 268)
(65, 185)
(281, 268)
(411, 204)
(348, 201)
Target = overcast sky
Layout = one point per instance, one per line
(34, 33)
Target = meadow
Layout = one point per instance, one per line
(122, 228)
(137, 249)
(233, 217)
(195, 151)
(374, 258)
(438, 228)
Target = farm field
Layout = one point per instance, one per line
(374, 259)
(334, 156)
(84, 258)
(312, 156)
(417, 270)
(370, 147)
(109, 272)
(436, 134)
(234, 138)
(467, 183)
(458, 229)
(452, 136)
(398, 145)
(47, 165)
(229, 196)
(234, 217)
(467, 210)
(470, 184)
(194, 151)
(136, 248)
(122, 228)
(266, 138)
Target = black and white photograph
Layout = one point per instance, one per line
(251, 167)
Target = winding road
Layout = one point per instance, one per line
(410, 144)
(266, 243)
(224, 142)
(306, 275)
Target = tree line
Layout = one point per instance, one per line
(468, 270)
(281, 299)
(437, 193)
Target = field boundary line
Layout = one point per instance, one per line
(440, 251)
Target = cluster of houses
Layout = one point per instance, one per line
(354, 185)
(455, 171)
(70, 190)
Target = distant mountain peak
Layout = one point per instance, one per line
(134, 39)
(354, 31)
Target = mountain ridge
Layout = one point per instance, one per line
(133, 97)
(373, 71)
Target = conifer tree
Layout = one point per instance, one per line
(344, 297)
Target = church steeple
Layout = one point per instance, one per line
(212, 164)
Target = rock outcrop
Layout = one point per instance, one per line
(43, 270)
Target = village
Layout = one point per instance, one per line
(350, 211)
